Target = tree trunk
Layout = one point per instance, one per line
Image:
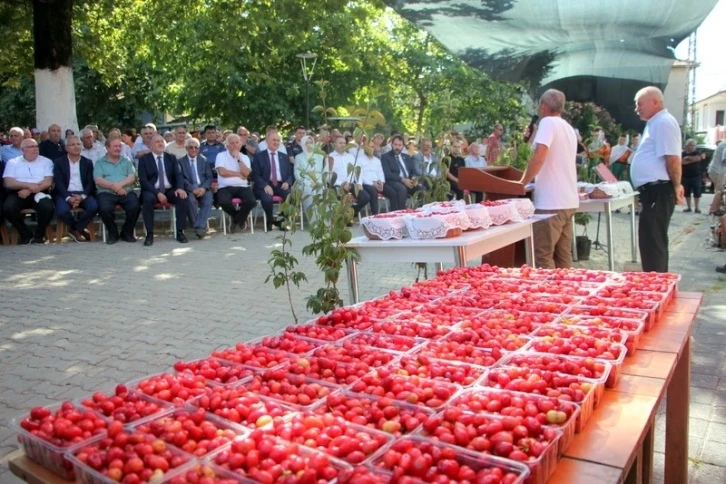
(55, 97)
(423, 103)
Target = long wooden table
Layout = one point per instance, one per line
(616, 444)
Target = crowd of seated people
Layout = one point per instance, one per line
(73, 177)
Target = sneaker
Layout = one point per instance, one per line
(687, 210)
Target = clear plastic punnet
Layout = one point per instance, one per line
(552, 412)
(48, 455)
(552, 384)
(480, 464)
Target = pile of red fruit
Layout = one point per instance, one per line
(483, 374)
(190, 431)
(129, 457)
(123, 405)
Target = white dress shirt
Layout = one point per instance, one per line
(74, 183)
(661, 138)
(167, 185)
(402, 166)
(341, 161)
(263, 146)
(475, 162)
(371, 170)
(96, 152)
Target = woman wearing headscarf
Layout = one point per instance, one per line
(307, 163)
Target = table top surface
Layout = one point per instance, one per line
(604, 450)
(464, 240)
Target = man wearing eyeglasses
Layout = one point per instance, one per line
(28, 179)
(198, 184)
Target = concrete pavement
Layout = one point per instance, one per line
(78, 318)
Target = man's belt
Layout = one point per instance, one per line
(648, 185)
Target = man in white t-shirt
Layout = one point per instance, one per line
(655, 172)
(28, 179)
(233, 172)
(553, 168)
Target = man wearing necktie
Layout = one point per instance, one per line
(198, 185)
(272, 174)
(162, 182)
(401, 172)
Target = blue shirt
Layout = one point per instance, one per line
(8, 152)
(210, 151)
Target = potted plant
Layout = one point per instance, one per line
(583, 242)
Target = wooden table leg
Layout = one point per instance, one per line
(648, 448)
(635, 476)
(676, 446)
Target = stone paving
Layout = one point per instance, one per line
(79, 318)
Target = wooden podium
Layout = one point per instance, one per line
(497, 182)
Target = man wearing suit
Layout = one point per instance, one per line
(272, 175)
(400, 172)
(198, 185)
(74, 188)
(162, 182)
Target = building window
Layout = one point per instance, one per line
(719, 117)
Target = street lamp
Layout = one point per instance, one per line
(304, 59)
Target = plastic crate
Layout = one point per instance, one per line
(197, 389)
(476, 462)
(216, 473)
(164, 407)
(349, 353)
(429, 316)
(632, 327)
(297, 381)
(328, 371)
(232, 355)
(518, 322)
(544, 360)
(482, 357)
(50, 456)
(218, 455)
(410, 328)
(463, 374)
(370, 410)
(385, 341)
(87, 475)
(218, 422)
(194, 367)
(327, 334)
(568, 331)
(384, 376)
(240, 406)
(648, 307)
(540, 468)
(478, 397)
(504, 341)
(299, 419)
(587, 404)
(306, 345)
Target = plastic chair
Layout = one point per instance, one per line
(237, 202)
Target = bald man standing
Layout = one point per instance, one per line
(53, 148)
(655, 172)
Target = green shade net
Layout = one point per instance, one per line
(601, 51)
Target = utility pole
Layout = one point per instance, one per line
(689, 100)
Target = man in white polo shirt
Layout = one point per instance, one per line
(28, 179)
(553, 168)
(655, 172)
